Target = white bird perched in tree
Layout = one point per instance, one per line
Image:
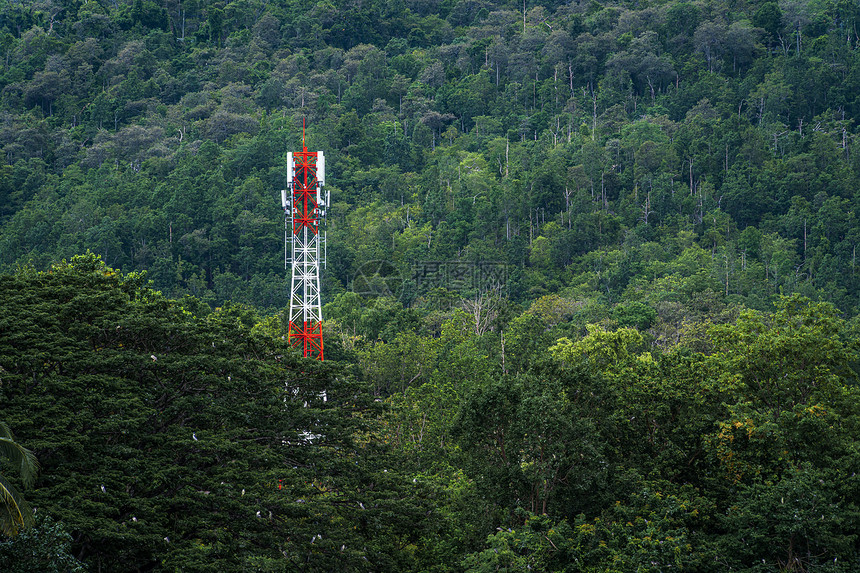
(258, 514)
(194, 435)
(153, 357)
(103, 489)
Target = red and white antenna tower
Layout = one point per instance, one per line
(304, 207)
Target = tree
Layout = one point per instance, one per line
(176, 438)
(769, 18)
(45, 547)
(785, 438)
(15, 512)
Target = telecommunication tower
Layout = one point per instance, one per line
(305, 246)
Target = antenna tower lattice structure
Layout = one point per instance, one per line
(304, 206)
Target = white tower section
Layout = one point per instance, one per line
(304, 204)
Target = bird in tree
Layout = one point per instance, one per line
(15, 512)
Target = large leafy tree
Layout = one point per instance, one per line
(174, 439)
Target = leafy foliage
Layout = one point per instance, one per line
(662, 376)
(15, 512)
(174, 440)
(586, 145)
(46, 546)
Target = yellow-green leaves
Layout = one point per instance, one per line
(600, 348)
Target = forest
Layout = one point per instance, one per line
(591, 296)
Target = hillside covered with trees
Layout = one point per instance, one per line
(592, 288)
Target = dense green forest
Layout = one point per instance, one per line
(592, 290)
